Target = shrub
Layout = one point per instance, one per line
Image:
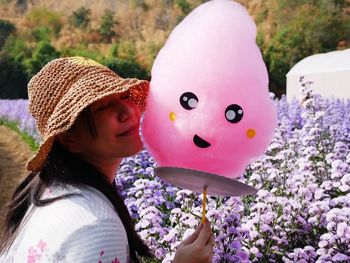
(80, 18)
(16, 48)
(126, 50)
(42, 17)
(6, 28)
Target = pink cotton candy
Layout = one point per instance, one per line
(212, 56)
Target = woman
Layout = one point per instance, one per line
(68, 208)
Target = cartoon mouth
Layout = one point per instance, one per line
(201, 143)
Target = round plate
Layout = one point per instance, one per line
(195, 181)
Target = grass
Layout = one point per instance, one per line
(13, 125)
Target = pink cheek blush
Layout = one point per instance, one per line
(209, 108)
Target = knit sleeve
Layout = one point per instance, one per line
(102, 241)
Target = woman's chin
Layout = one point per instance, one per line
(134, 149)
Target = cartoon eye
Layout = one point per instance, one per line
(188, 101)
(234, 113)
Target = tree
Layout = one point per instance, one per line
(13, 79)
(81, 17)
(41, 34)
(126, 68)
(184, 6)
(107, 25)
(6, 28)
(301, 28)
(43, 53)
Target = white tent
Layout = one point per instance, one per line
(330, 73)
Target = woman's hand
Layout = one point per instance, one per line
(198, 247)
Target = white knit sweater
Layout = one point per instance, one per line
(78, 229)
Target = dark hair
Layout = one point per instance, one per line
(64, 167)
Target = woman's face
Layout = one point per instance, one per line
(117, 121)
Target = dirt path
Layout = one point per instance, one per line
(14, 154)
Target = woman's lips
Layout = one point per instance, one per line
(130, 131)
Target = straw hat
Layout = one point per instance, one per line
(63, 88)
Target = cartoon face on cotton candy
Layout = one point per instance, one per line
(209, 108)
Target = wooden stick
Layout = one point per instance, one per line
(204, 202)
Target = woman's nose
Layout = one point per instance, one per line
(125, 111)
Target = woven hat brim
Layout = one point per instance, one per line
(36, 163)
(138, 90)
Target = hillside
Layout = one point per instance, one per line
(145, 23)
(16, 9)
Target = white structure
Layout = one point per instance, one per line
(330, 73)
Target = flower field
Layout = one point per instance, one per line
(301, 212)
